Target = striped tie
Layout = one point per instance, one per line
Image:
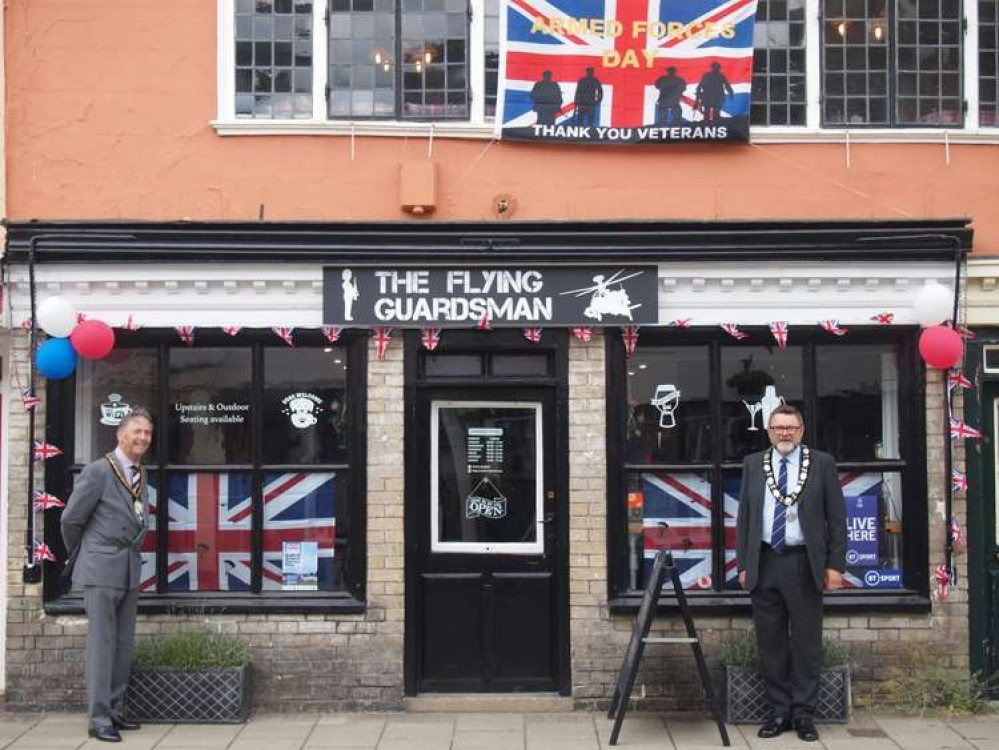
(135, 475)
(779, 532)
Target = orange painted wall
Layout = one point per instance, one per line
(109, 105)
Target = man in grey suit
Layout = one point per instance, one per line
(791, 547)
(103, 526)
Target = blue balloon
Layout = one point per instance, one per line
(56, 359)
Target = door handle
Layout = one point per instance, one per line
(549, 518)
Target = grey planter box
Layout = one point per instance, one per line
(189, 696)
(746, 698)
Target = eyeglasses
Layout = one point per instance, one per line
(785, 428)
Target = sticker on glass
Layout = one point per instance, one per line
(666, 400)
(114, 410)
(485, 450)
(486, 501)
(766, 405)
(303, 409)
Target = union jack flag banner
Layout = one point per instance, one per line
(732, 329)
(44, 501)
(682, 501)
(29, 400)
(210, 529)
(958, 480)
(779, 330)
(884, 318)
(630, 71)
(629, 335)
(532, 334)
(582, 333)
(44, 451)
(186, 334)
(130, 324)
(955, 379)
(285, 333)
(332, 333)
(959, 430)
(42, 552)
(430, 338)
(680, 323)
(232, 330)
(833, 327)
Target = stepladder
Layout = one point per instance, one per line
(663, 569)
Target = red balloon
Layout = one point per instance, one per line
(92, 339)
(941, 347)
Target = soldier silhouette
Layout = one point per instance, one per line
(589, 94)
(546, 98)
(711, 92)
(671, 88)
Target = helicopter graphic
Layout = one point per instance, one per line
(607, 301)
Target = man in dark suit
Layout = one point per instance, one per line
(791, 547)
(103, 525)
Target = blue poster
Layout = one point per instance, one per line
(862, 521)
(627, 71)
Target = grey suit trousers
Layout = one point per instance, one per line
(110, 642)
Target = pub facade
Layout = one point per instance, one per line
(428, 398)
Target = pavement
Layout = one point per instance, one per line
(440, 731)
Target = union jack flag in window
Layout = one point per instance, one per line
(210, 529)
(677, 516)
(630, 71)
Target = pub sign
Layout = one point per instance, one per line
(411, 297)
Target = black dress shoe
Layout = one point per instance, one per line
(104, 734)
(125, 724)
(774, 728)
(806, 730)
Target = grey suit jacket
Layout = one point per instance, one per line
(821, 510)
(101, 530)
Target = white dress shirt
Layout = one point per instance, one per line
(792, 533)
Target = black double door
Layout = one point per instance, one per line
(486, 601)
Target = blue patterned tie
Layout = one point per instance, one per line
(779, 532)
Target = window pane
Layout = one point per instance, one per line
(210, 420)
(988, 62)
(264, 34)
(673, 511)
(491, 49)
(304, 405)
(453, 365)
(874, 529)
(208, 546)
(780, 40)
(668, 413)
(300, 529)
(107, 390)
(520, 364)
(363, 67)
(857, 389)
(755, 379)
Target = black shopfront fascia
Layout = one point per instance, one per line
(351, 526)
(912, 465)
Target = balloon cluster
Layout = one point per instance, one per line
(56, 357)
(940, 346)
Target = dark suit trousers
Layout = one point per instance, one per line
(110, 639)
(787, 614)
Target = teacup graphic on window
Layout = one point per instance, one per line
(302, 409)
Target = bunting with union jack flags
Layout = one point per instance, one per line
(628, 71)
(210, 529)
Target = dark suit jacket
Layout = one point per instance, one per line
(821, 510)
(101, 531)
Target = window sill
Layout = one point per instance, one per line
(484, 131)
(222, 604)
(738, 603)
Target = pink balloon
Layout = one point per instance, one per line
(941, 347)
(92, 339)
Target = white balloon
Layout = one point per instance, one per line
(56, 317)
(934, 304)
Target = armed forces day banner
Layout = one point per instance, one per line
(625, 71)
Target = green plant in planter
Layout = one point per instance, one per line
(195, 649)
(740, 651)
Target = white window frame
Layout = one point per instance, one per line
(537, 547)
(478, 127)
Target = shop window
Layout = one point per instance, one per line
(693, 410)
(254, 477)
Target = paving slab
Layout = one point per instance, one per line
(346, 730)
(915, 733)
(701, 733)
(490, 723)
(201, 735)
(418, 729)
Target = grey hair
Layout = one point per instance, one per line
(138, 412)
